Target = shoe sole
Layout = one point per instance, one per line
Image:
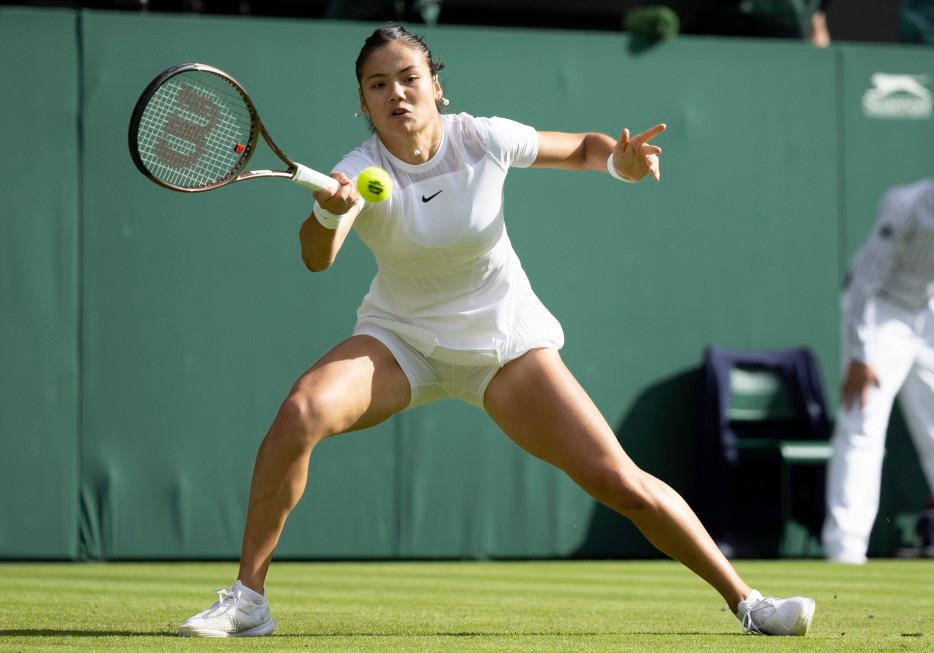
(259, 631)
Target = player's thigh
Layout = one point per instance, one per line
(539, 404)
(355, 385)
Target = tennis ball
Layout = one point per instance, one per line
(374, 184)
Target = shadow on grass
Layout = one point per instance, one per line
(72, 632)
(511, 634)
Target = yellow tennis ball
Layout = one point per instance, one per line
(374, 184)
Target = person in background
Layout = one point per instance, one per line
(916, 21)
(819, 34)
(888, 352)
(790, 19)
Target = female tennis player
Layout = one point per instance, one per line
(451, 313)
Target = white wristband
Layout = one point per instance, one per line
(327, 219)
(612, 170)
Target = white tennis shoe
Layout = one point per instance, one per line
(236, 614)
(764, 615)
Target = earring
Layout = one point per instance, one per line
(357, 114)
(445, 101)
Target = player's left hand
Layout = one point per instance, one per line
(634, 157)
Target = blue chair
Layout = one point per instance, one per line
(766, 445)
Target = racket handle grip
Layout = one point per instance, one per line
(313, 179)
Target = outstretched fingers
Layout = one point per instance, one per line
(646, 136)
(637, 151)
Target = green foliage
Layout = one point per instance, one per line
(464, 606)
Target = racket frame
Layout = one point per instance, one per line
(296, 172)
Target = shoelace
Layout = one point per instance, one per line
(224, 595)
(746, 623)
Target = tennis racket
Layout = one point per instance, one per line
(194, 128)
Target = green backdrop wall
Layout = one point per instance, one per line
(39, 285)
(147, 337)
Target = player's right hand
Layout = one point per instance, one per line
(341, 200)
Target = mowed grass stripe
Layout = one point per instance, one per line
(658, 606)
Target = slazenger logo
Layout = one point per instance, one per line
(898, 97)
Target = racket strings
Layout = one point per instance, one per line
(195, 131)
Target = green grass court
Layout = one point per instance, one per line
(658, 606)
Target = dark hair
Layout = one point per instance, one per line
(395, 32)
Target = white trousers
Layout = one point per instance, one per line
(901, 351)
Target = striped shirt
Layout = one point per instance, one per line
(896, 263)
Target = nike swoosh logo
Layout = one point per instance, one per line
(431, 197)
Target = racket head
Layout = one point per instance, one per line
(194, 128)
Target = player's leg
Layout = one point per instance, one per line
(356, 385)
(540, 405)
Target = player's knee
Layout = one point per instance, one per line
(302, 420)
(628, 493)
(637, 498)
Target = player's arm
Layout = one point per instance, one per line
(320, 244)
(633, 157)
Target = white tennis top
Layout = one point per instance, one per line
(895, 263)
(449, 282)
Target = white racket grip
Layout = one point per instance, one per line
(313, 179)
